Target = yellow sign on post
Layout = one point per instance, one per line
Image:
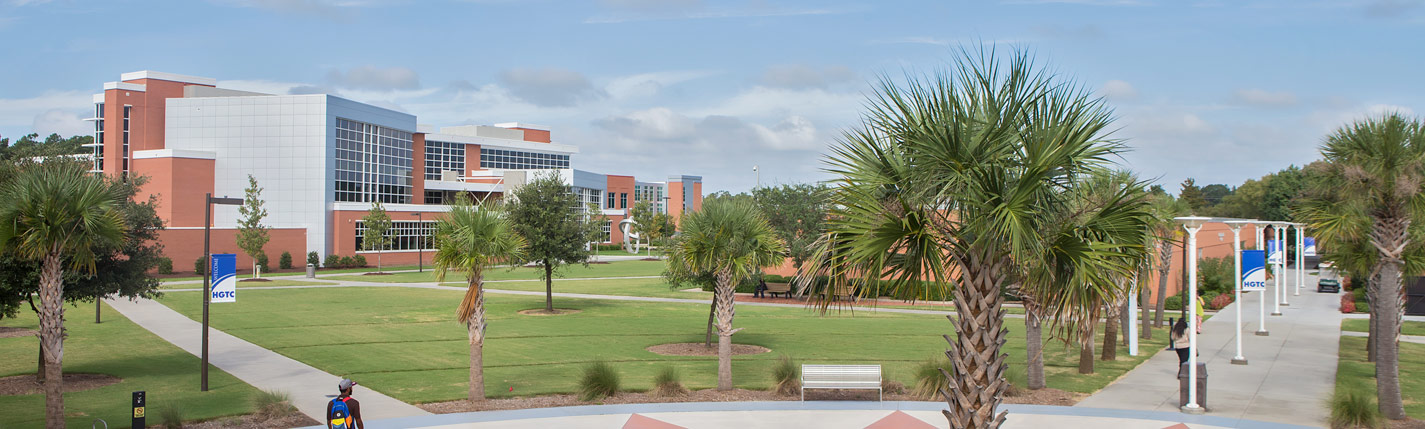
(139, 402)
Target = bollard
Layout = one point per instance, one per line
(1201, 385)
(311, 271)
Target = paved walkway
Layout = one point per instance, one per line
(1289, 378)
(813, 414)
(310, 388)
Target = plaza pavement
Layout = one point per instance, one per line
(1289, 377)
(309, 388)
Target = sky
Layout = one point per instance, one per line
(1220, 91)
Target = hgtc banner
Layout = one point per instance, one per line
(224, 278)
(1310, 246)
(1254, 270)
(1274, 255)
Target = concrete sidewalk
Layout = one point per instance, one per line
(1289, 377)
(310, 388)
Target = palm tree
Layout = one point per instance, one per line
(58, 213)
(730, 241)
(471, 239)
(1377, 166)
(954, 179)
(1165, 232)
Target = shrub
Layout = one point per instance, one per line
(599, 381)
(1353, 409)
(1207, 299)
(667, 383)
(358, 261)
(929, 380)
(262, 261)
(314, 259)
(273, 405)
(1215, 275)
(892, 387)
(200, 266)
(1173, 302)
(1348, 305)
(171, 415)
(1221, 301)
(786, 376)
(165, 265)
(333, 261)
(1018, 381)
(285, 261)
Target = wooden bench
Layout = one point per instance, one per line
(841, 377)
(779, 288)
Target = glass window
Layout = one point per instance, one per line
(405, 235)
(521, 160)
(363, 173)
(128, 110)
(444, 156)
(623, 200)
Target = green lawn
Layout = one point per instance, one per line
(1363, 325)
(1354, 373)
(117, 347)
(623, 287)
(612, 269)
(404, 342)
(242, 284)
(303, 273)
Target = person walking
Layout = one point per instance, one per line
(344, 412)
(1197, 312)
(1179, 338)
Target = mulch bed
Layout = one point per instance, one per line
(541, 312)
(1405, 424)
(697, 349)
(8, 332)
(255, 280)
(1039, 397)
(377, 274)
(253, 421)
(650, 259)
(25, 384)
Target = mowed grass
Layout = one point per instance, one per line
(612, 269)
(242, 284)
(119, 348)
(406, 343)
(303, 272)
(1354, 373)
(1363, 325)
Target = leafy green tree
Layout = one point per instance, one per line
(1191, 195)
(1245, 202)
(966, 169)
(471, 239)
(730, 241)
(1163, 208)
(798, 214)
(377, 224)
(546, 212)
(29, 146)
(727, 196)
(60, 215)
(251, 233)
(1214, 193)
(1376, 198)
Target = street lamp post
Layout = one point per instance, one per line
(1236, 226)
(1300, 258)
(1261, 294)
(1192, 224)
(1278, 280)
(208, 279)
(1286, 258)
(420, 244)
(758, 174)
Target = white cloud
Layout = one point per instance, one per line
(549, 87)
(801, 76)
(376, 78)
(1265, 98)
(649, 84)
(19, 3)
(842, 107)
(339, 10)
(620, 18)
(1118, 90)
(23, 114)
(919, 40)
(66, 123)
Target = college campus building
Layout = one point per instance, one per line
(322, 160)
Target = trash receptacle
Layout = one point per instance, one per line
(1201, 385)
(311, 271)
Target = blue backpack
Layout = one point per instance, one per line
(340, 415)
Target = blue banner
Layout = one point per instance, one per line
(1274, 254)
(1254, 270)
(224, 278)
(1310, 246)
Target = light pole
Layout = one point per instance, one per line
(1286, 259)
(1192, 224)
(1300, 258)
(1278, 280)
(1236, 226)
(420, 244)
(208, 279)
(1261, 294)
(757, 174)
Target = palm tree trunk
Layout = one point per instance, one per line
(1123, 322)
(548, 287)
(725, 312)
(712, 309)
(1165, 255)
(1086, 351)
(1034, 348)
(1373, 334)
(975, 350)
(52, 338)
(1110, 334)
(475, 297)
(1386, 309)
(1146, 331)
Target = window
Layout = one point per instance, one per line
(443, 156)
(623, 200)
(608, 231)
(99, 136)
(127, 111)
(373, 163)
(587, 197)
(610, 201)
(405, 235)
(521, 160)
(653, 194)
(435, 197)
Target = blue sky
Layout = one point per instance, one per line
(1221, 91)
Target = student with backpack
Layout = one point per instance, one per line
(344, 412)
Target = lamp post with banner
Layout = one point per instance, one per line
(1192, 224)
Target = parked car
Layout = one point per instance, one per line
(1328, 282)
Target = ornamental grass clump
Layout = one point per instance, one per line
(667, 383)
(1354, 409)
(928, 379)
(273, 405)
(786, 376)
(599, 381)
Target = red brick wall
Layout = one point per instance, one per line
(180, 185)
(184, 246)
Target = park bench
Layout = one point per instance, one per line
(779, 288)
(841, 377)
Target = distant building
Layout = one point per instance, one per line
(322, 160)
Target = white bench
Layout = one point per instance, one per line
(841, 377)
